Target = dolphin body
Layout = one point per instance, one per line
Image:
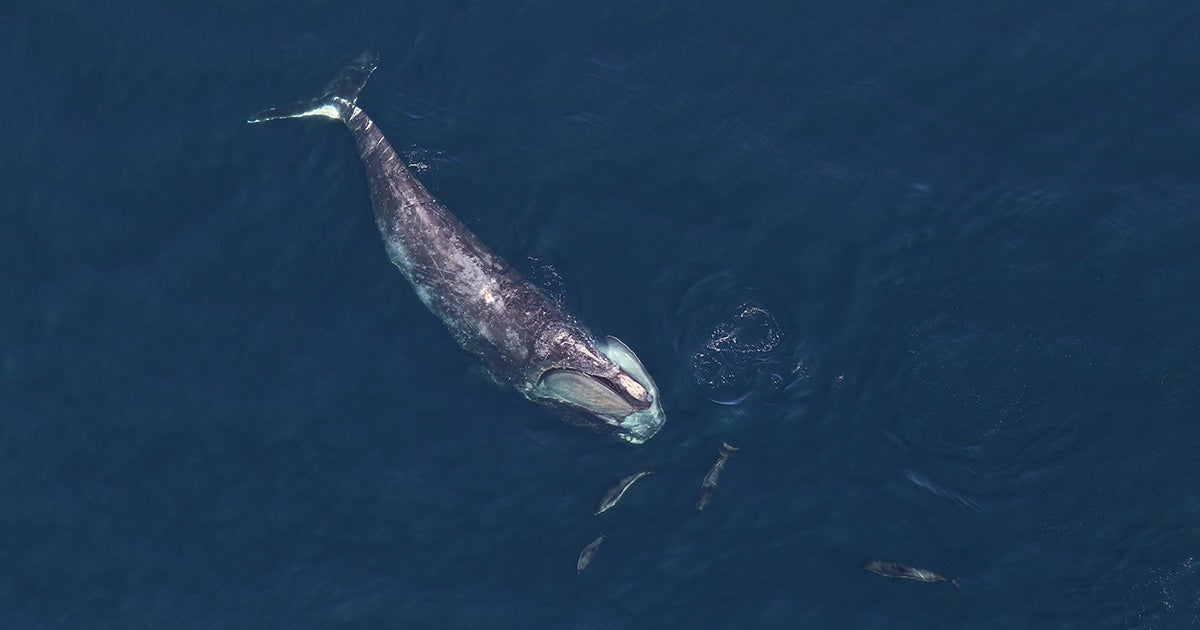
(524, 339)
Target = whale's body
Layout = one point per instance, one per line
(525, 340)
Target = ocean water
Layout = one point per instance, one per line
(932, 267)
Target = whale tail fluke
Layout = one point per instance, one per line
(339, 97)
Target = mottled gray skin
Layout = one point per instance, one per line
(524, 339)
(490, 309)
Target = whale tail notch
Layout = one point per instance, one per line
(339, 97)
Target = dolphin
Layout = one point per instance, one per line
(618, 489)
(895, 569)
(709, 485)
(524, 339)
(589, 552)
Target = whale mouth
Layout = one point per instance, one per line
(625, 404)
(640, 425)
(597, 395)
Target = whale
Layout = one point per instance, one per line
(525, 340)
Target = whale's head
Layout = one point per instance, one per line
(617, 397)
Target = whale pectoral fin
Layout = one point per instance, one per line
(584, 391)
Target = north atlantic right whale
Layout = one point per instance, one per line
(523, 338)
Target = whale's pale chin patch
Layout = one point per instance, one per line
(641, 426)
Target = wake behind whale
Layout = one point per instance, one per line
(524, 339)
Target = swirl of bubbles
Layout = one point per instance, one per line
(726, 364)
(735, 345)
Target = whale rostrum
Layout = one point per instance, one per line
(523, 338)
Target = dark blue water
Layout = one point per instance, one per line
(931, 266)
